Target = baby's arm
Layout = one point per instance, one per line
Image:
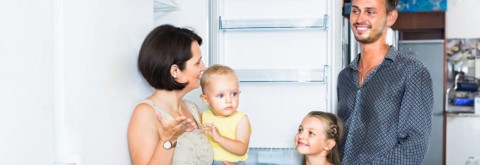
(239, 145)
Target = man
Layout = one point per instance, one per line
(385, 97)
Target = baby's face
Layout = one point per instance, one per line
(222, 94)
(311, 138)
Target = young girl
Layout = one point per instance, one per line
(318, 138)
(228, 128)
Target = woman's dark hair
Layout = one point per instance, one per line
(163, 47)
(334, 130)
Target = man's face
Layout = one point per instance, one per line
(368, 20)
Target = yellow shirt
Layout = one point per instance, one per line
(227, 127)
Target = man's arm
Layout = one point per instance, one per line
(415, 121)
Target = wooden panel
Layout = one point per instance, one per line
(420, 20)
(422, 34)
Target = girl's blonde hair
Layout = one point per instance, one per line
(334, 130)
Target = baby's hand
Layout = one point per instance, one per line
(211, 130)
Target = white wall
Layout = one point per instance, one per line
(69, 79)
(26, 117)
(462, 22)
(102, 84)
(463, 132)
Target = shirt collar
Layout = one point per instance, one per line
(391, 55)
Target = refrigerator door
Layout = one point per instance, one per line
(431, 53)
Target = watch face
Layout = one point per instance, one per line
(167, 145)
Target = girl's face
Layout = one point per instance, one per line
(193, 68)
(311, 138)
(222, 94)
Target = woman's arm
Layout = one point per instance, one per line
(146, 131)
(143, 138)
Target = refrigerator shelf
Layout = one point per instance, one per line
(164, 6)
(282, 75)
(273, 24)
(462, 114)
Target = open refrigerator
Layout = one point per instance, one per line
(283, 53)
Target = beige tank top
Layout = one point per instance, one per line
(193, 147)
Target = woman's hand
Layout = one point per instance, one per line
(171, 130)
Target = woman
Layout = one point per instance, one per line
(164, 129)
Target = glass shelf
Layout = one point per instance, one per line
(164, 5)
(459, 109)
(277, 156)
(282, 75)
(462, 114)
(258, 24)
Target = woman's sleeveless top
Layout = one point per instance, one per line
(192, 147)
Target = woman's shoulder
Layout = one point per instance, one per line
(143, 120)
(191, 105)
(143, 110)
(189, 102)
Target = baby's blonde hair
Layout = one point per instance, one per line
(214, 70)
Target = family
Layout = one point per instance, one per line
(383, 115)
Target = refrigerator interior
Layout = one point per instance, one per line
(280, 58)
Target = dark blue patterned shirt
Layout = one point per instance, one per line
(388, 120)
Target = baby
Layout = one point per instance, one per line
(228, 129)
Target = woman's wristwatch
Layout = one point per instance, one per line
(168, 145)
